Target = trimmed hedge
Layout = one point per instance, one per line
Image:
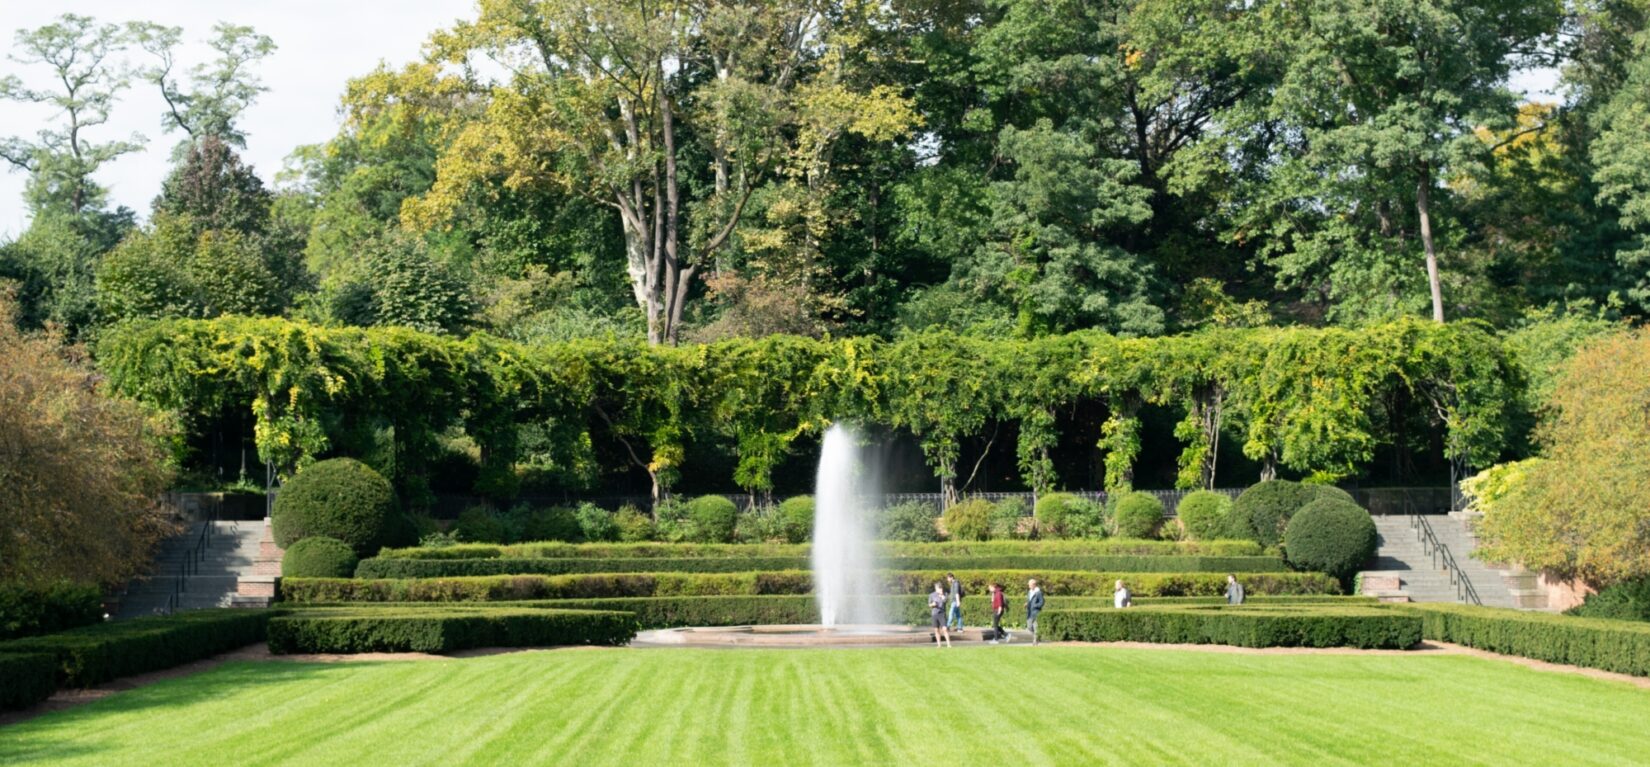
(445, 630)
(28, 611)
(1266, 507)
(26, 679)
(318, 557)
(339, 498)
(96, 654)
(554, 550)
(448, 568)
(1608, 645)
(1245, 626)
(589, 586)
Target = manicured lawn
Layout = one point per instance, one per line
(1007, 706)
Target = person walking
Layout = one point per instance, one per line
(1034, 605)
(955, 620)
(998, 606)
(936, 610)
(1120, 597)
(1234, 590)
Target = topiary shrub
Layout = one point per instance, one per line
(1203, 515)
(713, 519)
(1330, 493)
(968, 521)
(1266, 508)
(912, 521)
(319, 557)
(1330, 536)
(481, 524)
(1007, 520)
(1626, 601)
(595, 524)
(796, 518)
(339, 498)
(633, 526)
(1137, 515)
(1054, 512)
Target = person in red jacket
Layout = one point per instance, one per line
(998, 606)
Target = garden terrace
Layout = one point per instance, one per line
(439, 568)
(559, 550)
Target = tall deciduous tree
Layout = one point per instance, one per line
(217, 93)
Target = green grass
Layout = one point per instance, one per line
(974, 705)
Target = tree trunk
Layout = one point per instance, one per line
(1421, 207)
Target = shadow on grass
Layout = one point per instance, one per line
(75, 732)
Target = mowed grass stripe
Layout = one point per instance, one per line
(1016, 705)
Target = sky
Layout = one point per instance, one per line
(321, 44)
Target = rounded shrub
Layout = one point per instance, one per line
(595, 524)
(1203, 515)
(1085, 519)
(319, 557)
(796, 518)
(339, 498)
(1330, 536)
(912, 521)
(1054, 515)
(1007, 518)
(1266, 508)
(481, 524)
(633, 526)
(713, 519)
(968, 520)
(1137, 515)
(1331, 493)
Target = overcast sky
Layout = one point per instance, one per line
(322, 43)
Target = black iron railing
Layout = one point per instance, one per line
(1442, 558)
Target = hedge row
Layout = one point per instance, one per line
(445, 630)
(26, 679)
(95, 654)
(519, 587)
(447, 568)
(1608, 645)
(556, 550)
(1246, 626)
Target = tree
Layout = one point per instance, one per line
(217, 93)
(178, 269)
(1623, 165)
(215, 190)
(80, 54)
(80, 472)
(54, 263)
(397, 283)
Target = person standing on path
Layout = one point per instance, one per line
(998, 606)
(1034, 605)
(1121, 597)
(1234, 590)
(936, 610)
(955, 622)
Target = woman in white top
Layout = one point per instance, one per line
(1121, 598)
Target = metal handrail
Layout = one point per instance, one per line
(1440, 553)
(192, 559)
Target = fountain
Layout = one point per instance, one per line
(844, 546)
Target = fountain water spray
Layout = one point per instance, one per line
(846, 581)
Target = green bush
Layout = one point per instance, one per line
(1265, 509)
(319, 557)
(796, 516)
(633, 525)
(556, 523)
(1626, 601)
(580, 586)
(1330, 536)
(379, 567)
(444, 629)
(92, 655)
(595, 524)
(1053, 514)
(339, 498)
(712, 518)
(1089, 548)
(1137, 515)
(968, 520)
(32, 610)
(1203, 514)
(1245, 626)
(26, 679)
(1006, 520)
(912, 521)
(1086, 518)
(1332, 493)
(1608, 645)
(671, 522)
(481, 524)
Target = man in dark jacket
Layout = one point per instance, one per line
(1034, 605)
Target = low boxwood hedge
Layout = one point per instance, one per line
(601, 585)
(95, 654)
(31, 610)
(1092, 548)
(26, 678)
(1608, 645)
(447, 568)
(1245, 626)
(445, 629)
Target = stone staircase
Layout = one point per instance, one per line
(232, 552)
(1404, 571)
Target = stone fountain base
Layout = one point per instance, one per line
(802, 635)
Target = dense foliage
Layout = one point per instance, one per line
(1259, 626)
(30, 610)
(339, 498)
(1627, 600)
(1267, 507)
(969, 520)
(379, 567)
(1330, 536)
(1203, 515)
(318, 556)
